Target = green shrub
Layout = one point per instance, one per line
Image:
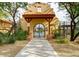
(12, 39)
(5, 39)
(57, 34)
(21, 35)
(0, 41)
(1, 38)
(62, 41)
(9, 39)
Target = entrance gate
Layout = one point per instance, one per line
(47, 17)
(39, 30)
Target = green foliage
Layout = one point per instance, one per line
(12, 7)
(73, 10)
(1, 38)
(71, 7)
(5, 39)
(9, 39)
(62, 41)
(10, 10)
(20, 34)
(57, 34)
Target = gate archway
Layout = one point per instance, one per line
(39, 30)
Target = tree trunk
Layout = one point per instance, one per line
(13, 28)
(73, 26)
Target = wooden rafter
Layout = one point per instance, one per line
(28, 20)
(48, 19)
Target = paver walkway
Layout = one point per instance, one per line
(37, 47)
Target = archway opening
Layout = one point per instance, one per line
(39, 30)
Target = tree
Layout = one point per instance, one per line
(11, 9)
(73, 10)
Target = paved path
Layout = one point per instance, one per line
(37, 47)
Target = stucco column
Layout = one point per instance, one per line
(28, 26)
(49, 27)
(49, 21)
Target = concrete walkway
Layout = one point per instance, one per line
(37, 47)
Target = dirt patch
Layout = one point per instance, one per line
(10, 50)
(66, 50)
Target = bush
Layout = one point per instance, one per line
(57, 34)
(9, 39)
(20, 34)
(1, 38)
(62, 41)
(5, 39)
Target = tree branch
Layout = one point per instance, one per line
(72, 12)
(67, 8)
(76, 35)
(76, 16)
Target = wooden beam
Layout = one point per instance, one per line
(36, 16)
(28, 20)
(48, 19)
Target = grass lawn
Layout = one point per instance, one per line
(10, 50)
(70, 49)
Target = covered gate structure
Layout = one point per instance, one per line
(39, 13)
(47, 17)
